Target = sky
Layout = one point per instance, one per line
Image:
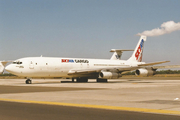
(87, 28)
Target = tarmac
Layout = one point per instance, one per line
(147, 95)
(30, 111)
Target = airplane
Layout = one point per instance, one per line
(2, 65)
(83, 69)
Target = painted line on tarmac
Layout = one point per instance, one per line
(145, 110)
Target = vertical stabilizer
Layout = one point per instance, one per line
(138, 52)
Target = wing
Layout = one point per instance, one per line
(166, 67)
(112, 69)
(97, 70)
(154, 63)
(84, 71)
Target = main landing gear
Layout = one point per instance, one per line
(82, 80)
(102, 80)
(28, 81)
(86, 80)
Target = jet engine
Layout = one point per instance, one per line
(109, 75)
(145, 72)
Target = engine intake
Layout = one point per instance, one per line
(145, 72)
(109, 75)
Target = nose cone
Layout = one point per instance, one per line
(9, 68)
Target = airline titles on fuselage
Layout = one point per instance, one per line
(76, 61)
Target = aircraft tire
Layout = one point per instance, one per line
(28, 81)
(81, 80)
(102, 80)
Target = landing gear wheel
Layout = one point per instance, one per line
(81, 80)
(28, 81)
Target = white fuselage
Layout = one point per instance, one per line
(60, 67)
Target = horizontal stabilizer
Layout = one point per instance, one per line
(154, 63)
(117, 53)
(119, 50)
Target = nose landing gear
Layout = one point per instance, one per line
(28, 81)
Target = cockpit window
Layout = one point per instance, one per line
(17, 62)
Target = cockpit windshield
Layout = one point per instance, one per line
(17, 62)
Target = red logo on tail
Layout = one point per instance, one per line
(139, 51)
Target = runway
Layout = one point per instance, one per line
(22, 111)
(117, 99)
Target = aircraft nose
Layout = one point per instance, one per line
(9, 68)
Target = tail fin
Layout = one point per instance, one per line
(117, 54)
(138, 52)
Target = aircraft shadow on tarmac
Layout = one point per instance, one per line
(139, 81)
(120, 81)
